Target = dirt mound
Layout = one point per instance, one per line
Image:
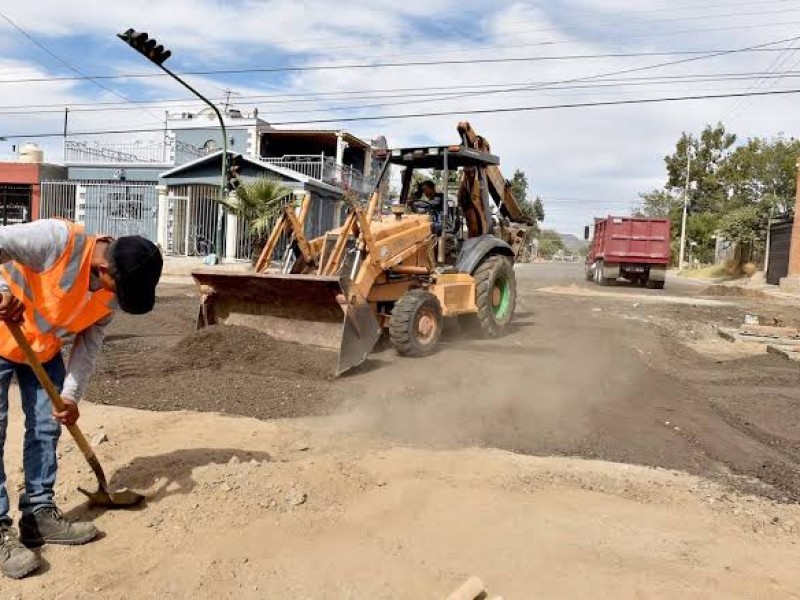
(234, 370)
(733, 291)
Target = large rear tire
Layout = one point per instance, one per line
(495, 295)
(416, 323)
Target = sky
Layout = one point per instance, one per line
(584, 162)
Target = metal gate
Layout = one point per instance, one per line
(114, 209)
(58, 200)
(780, 236)
(15, 203)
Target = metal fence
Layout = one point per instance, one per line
(193, 217)
(58, 200)
(119, 209)
(114, 209)
(167, 151)
(322, 168)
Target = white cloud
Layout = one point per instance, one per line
(597, 159)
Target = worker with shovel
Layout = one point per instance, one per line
(58, 284)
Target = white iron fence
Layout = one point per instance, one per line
(196, 225)
(114, 209)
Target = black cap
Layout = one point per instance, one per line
(135, 263)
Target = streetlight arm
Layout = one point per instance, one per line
(213, 107)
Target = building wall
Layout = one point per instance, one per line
(198, 138)
(109, 173)
(30, 174)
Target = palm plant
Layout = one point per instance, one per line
(257, 202)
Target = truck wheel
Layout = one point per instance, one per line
(495, 295)
(589, 274)
(415, 324)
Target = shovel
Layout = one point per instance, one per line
(103, 496)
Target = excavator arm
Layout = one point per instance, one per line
(499, 187)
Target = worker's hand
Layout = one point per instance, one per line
(11, 309)
(70, 414)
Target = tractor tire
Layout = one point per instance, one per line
(495, 295)
(416, 323)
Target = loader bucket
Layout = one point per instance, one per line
(306, 309)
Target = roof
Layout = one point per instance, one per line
(266, 167)
(349, 137)
(432, 157)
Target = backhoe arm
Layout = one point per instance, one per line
(499, 187)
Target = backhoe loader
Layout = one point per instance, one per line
(401, 270)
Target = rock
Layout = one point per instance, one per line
(296, 498)
(776, 520)
(234, 460)
(597, 310)
(225, 487)
(100, 438)
(636, 305)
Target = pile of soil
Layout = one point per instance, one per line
(234, 370)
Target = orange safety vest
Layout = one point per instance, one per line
(58, 302)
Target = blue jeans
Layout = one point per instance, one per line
(41, 435)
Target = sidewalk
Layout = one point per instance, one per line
(178, 269)
(750, 287)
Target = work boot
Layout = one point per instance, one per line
(48, 526)
(16, 561)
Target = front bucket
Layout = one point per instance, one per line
(306, 309)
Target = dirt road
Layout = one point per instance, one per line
(395, 498)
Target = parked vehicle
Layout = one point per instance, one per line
(636, 249)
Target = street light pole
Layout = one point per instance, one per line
(156, 54)
(685, 209)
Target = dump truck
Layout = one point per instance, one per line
(401, 271)
(632, 248)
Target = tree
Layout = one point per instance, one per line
(747, 226)
(711, 149)
(763, 172)
(257, 202)
(659, 204)
(534, 211)
(550, 243)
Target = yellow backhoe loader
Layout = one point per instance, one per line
(403, 270)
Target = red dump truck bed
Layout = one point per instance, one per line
(633, 248)
(631, 240)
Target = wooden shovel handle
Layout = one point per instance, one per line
(47, 384)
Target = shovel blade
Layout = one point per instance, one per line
(305, 309)
(120, 499)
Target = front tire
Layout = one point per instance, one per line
(416, 323)
(495, 295)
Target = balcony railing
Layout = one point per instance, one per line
(128, 153)
(325, 169)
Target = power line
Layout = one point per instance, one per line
(382, 93)
(52, 54)
(432, 97)
(517, 109)
(342, 67)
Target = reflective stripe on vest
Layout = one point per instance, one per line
(58, 301)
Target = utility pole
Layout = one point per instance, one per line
(66, 125)
(689, 152)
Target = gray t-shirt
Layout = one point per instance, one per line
(38, 246)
